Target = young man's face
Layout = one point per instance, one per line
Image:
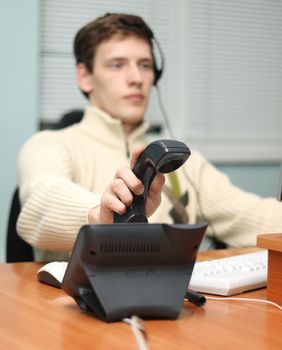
(121, 79)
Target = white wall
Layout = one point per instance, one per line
(18, 93)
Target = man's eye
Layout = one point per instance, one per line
(116, 65)
(146, 65)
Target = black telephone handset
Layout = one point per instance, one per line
(161, 156)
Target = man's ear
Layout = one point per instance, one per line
(83, 78)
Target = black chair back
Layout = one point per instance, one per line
(17, 250)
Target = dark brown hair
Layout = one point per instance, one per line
(94, 33)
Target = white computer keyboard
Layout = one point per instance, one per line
(232, 275)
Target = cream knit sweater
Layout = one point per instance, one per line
(63, 173)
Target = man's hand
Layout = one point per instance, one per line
(118, 194)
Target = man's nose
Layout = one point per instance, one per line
(134, 74)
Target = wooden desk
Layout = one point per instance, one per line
(36, 316)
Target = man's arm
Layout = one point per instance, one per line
(236, 217)
(53, 206)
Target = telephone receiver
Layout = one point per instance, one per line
(161, 156)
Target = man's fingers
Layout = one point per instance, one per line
(130, 180)
(110, 204)
(157, 183)
(119, 191)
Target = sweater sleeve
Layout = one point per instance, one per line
(235, 216)
(53, 206)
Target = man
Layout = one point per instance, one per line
(82, 174)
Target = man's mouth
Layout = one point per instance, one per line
(136, 98)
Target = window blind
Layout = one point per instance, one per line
(234, 79)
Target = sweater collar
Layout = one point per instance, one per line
(107, 130)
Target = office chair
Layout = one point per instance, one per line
(69, 118)
(17, 250)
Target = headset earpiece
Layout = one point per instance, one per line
(157, 71)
